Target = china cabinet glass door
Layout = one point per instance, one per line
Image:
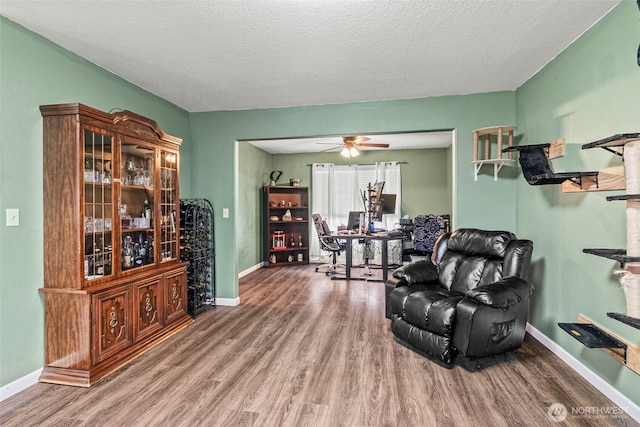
(98, 205)
(136, 204)
(168, 205)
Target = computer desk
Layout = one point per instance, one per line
(384, 238)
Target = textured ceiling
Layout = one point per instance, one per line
(206, 55)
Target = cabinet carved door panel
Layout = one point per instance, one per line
(148, 307)
(176, 295)
(112, 322)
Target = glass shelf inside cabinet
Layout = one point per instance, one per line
(97, 205)
(168, 205)
(136, 205)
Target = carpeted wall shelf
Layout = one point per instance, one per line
(534, 160)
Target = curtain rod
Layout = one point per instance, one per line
(360, 164)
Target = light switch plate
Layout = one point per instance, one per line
(225, 213)
(13, 217)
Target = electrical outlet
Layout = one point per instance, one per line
(13, 217)
(225, 212)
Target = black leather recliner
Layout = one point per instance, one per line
(471, 300)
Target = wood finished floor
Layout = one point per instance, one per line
(302, 350)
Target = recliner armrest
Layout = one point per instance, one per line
(395, 282)
(503, 293)
(422, 271)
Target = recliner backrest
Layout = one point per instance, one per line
(468, 258)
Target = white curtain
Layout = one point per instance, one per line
(338, 189)
(320, 201)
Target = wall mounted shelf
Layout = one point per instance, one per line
(534, 160)
(497, 165)
(627, 146)
(497, 162)
(619, 255)
(591, 336)
(627, 320)
(615, 141)
(594, 336)
(612, 178)
(623, 197)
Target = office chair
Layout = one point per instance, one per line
(328, 244)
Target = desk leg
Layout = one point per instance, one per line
(385, 259)
(349, 261)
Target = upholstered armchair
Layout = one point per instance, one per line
(425, 233)
(470, 300)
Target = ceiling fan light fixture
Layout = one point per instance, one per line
(349, 151)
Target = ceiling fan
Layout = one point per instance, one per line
(350, 145)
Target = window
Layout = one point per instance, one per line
(338, 189)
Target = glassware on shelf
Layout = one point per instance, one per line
(88, 174)
(166, 178)
(88, 224)
(127, 253)
(129, 166)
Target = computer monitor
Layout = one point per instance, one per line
(353, 223)
(388, 204)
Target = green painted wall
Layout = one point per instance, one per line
(217, 164)
(33, 72)
(591, 91)
(253, 170)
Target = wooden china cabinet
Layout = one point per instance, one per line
(113, 282)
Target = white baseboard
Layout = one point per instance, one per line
(604, 387)
(232, 302)
(250, 270)
(20, 384)
(228, 302)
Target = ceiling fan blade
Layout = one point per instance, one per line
(354, 139)
(371, 144)
(335, 140)
(332, 148)
(360, 139)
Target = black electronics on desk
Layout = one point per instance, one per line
(354, 222)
